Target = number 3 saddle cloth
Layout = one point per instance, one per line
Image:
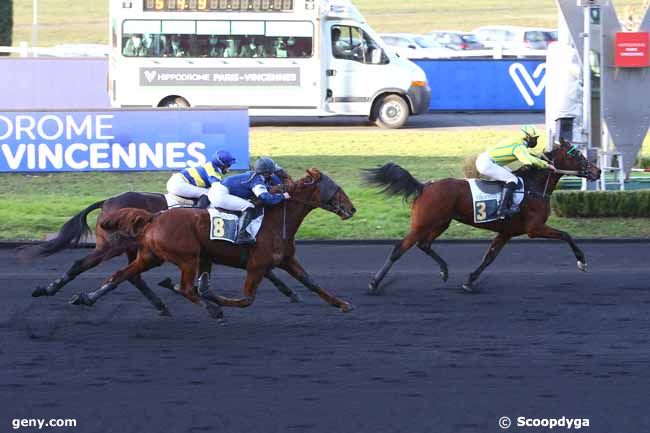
(224, 225)
(486, 195)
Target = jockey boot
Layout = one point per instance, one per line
(243, 238)
(203, 202)
(505, 205)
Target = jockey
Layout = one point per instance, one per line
(194, 182)
(250, 185)
(491, 163)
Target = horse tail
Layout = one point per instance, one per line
(69, 236)
(130, 222)
(394, 179)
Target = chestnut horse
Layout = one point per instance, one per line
(437, 203)
(108, 245)
(181, 236)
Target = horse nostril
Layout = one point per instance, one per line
(353, 210)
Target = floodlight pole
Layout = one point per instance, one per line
(35, 23)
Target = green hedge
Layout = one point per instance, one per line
(594, 204)
(6, 23)
(643, 162)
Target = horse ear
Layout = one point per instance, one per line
(314, 173)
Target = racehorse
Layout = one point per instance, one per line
(109, 244)
(437, 203)
(181, 236)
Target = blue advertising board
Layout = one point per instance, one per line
(485, 84)
(120, 140)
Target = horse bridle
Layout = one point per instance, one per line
(573, 153)
(328, 189)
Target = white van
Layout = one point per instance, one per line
(277, 57)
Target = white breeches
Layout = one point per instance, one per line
(487, 167)
(220, 197)
(177, 185)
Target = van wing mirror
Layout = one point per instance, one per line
(412, 47)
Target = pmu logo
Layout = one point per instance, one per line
(528, 85)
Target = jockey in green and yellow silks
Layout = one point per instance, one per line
(491, 163)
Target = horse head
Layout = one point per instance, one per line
(566, 156)
(319, 190)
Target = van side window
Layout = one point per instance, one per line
(352, 43)
(279, 39)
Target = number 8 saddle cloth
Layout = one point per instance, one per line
(224, 225)
(486, 195)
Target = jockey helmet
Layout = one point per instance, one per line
(223, 158)
(265, 165)
(530, 135)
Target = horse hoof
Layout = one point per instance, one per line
(214, 311)
(469, 288)
(444, 274)
(203, 285)
(167, 283)
(582, 266)
(374, 289)
(347, 307)
(80, 299)
(40, 291)
(295, 298)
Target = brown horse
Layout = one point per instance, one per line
(109, 244)
(437, 203)
(181, 236)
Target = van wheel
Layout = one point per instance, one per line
(391, 111)
(174, 102)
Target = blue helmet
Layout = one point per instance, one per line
(223, 158)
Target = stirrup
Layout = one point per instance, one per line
(245, 239)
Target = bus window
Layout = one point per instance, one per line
(278, 41)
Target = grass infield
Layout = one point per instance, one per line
(86, 21)
(35, 206)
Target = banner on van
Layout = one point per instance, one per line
(220, 77)
(117, 140)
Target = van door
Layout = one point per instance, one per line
(356, 69)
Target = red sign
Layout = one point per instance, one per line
(631, 50)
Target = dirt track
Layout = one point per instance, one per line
(541, 340)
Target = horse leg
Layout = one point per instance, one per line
(426, 248)
(78, 267)
(492, 252)
(142, 286)
(253, 279)
(400, 248)
(295, 269)
(544, 231)
(141, 264)
(270, 275)
(283, 288)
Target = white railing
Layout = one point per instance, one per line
(66, 50)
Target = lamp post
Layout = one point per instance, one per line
(35, 23)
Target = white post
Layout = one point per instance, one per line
(35, 23)
(586, 82)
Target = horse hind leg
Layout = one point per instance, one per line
(398, 250)
(426, 248)
(80, 266)
(142, 286)
(134, 269)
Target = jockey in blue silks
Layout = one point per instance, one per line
(251, 185)
(194, 182)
